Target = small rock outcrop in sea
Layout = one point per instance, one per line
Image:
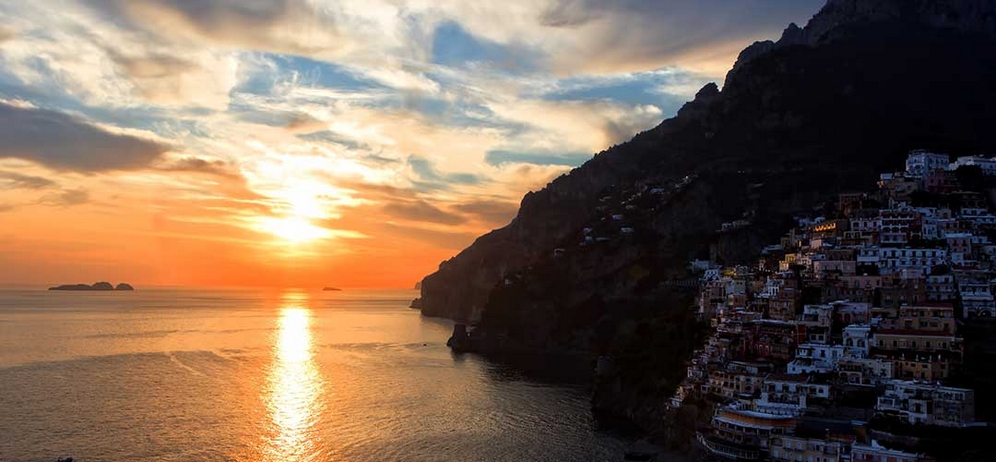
(331, 289)
(460, 340)
(416, 304)
(102, 285)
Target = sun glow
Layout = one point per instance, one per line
(293, 229)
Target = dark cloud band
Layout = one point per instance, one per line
(63, 142)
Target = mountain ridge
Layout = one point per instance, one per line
(849, 59)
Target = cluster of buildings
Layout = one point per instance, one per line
(621, 209)
(852, 317)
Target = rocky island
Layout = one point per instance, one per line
(331, 289)
(597, 262)
(96, 286)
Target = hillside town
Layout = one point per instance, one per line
(853, 318)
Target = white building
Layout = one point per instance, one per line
(893, 260)
(869, 256)
(789, 394)
(866, 371)
(919, 162)
(976, 300)
(927, 404)
(878, 453)
(817, 315)
(866, 225)
(987, 165)
(941, 288)
(815, 358)
(791, 448)
(857, 340)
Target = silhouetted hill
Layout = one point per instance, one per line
(822, 110)
(592, 263)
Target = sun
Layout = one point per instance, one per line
(293, 229)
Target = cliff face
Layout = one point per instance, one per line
(817, 112)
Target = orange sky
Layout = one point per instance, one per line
(355, 143)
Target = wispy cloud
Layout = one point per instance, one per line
(67, 198)
(420, 210)
(10, 179)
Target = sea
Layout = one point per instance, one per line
(176, 374)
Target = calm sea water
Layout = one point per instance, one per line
(194, 375)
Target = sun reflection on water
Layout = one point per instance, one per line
(295, 386)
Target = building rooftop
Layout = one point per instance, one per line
(811, 427)
(797, 378)
(917, 332)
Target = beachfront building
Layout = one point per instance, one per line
(877, 453)
(790, 448)
(743, 435)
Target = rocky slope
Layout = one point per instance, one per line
(593, 264)
(818, 111)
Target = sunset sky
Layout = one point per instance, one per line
(310, 142)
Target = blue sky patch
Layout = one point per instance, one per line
(455, 47)
(499, 157)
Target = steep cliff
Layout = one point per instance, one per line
(821, 110)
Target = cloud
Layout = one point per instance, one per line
(574, 125)
(199, 165)
(305, 123)
(444, 239)
(490, 211)
(16, 180)
(195, 79)
(423, 211)
(428, 177)
(639, 35)
(568, 13)
(284, 26)
(6, 34)
(67, 198)
(152, 66)
(63, 142)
